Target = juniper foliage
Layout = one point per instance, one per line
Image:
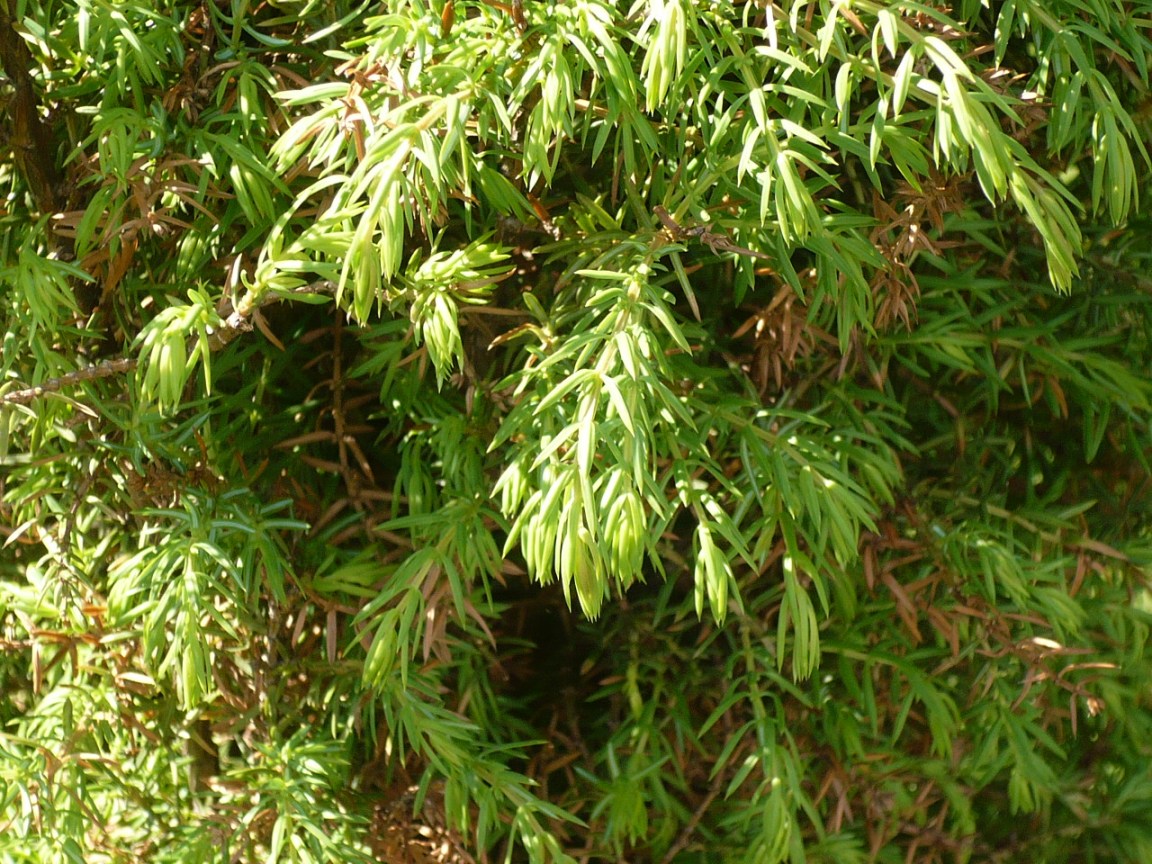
(676, 430)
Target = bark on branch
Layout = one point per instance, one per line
(30, 137)
(238, 321)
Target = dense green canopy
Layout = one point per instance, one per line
(475, 431)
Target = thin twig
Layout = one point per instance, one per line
(715, 241)
(106, 369)
(238, 321)
(689, 829)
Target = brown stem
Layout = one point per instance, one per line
(101, 370)
(237, 322)
(31, 137)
